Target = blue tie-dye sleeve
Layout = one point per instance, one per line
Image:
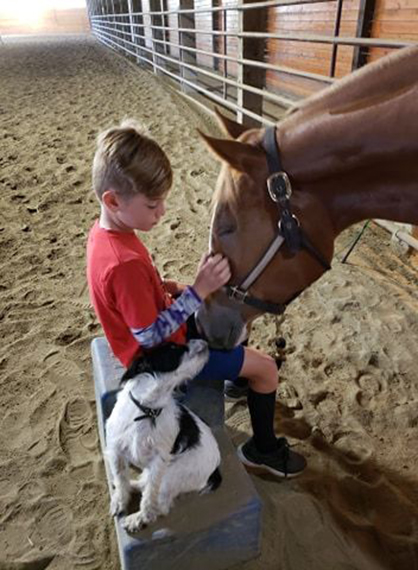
(170, 320)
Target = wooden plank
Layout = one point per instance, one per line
(204, 21)
(174, 35)
(310, 57)
(403, 14)
(402, 30)
(396, 4)
(313, 19)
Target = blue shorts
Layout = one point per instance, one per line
(223, 364)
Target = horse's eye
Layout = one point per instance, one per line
(224, 232)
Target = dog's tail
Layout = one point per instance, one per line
(214, 480)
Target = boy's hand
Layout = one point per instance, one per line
(212, 273)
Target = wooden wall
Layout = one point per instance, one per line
(172, 21)
(391, 19)
(52, 22)
(146, 7)
(318, 19)
(396, 19)
(204, 21)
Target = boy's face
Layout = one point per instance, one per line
(136, 212)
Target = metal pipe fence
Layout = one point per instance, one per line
(228, 62)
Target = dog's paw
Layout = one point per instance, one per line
(118, 502)
(135, 522)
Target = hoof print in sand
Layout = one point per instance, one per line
(53, 525)
(355, 447)
(76, 437)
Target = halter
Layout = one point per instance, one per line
(290, 233)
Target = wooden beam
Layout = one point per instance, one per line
(364, 28)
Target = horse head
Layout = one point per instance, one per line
(350, 153)
(245, 223)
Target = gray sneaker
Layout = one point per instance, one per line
(234, 393)
(283, 463)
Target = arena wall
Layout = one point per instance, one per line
(57, 21)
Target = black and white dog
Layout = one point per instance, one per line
(149, 429)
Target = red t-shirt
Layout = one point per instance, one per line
(125, 289)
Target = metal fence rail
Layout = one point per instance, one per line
(240, 85)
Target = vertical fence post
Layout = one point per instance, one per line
(157, 34)
(126, 35)
(254, 20)
(337, 26)
(119, 10)
(131, 27)
(131, 22)
(89, 13)
(364, 25)
(187, 40)
(165, 24)
(224, 52)
(116, 19)
(112, 7)
(139, 30)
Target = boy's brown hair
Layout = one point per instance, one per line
(130, 163)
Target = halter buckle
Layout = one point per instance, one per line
(237, 294)
(279, 187)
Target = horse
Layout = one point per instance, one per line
(283, 195)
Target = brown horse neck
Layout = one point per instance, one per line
(356, 145)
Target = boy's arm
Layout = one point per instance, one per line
(169, 320)
(137, 301)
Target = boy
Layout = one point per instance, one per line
(131, 179)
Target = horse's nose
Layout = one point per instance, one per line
(218, 343)
(280, 343)
(221, 326)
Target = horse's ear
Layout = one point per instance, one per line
(241, 156)
(228, 126)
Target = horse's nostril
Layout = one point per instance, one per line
(280, 343)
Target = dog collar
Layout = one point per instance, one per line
(149, 413)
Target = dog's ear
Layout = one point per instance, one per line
(139, 365)
(166, 357)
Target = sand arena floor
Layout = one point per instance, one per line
(348, 394)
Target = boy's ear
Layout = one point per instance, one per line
(110, 199)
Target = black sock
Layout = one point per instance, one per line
(241, 382)
(262, 408)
